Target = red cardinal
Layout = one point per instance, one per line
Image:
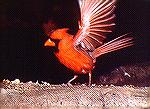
(79, 52)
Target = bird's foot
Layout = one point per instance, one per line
(76, 76)
(69, 82)
(90, 79)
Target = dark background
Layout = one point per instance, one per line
(23, 56)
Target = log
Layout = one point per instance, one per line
(29, 95)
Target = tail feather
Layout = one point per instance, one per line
(116, 44)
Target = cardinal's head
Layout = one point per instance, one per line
(55, 35)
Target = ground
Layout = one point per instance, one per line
(15, 94)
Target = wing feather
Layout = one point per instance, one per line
(97, 19)
(95, 33)
(94, 38)
(101, 30)
(102, 25)
(87, 43)
(116, 44)
(104, 20)
(103, 10)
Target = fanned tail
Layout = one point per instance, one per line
(113, 45)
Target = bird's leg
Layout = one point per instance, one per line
(90, 78)
(75, 77)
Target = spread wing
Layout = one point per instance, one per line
(97, 20)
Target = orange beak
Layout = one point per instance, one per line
(49, 43)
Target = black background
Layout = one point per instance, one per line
(23, 56)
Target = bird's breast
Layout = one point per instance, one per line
(73, 59)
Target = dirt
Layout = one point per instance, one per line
(15, 94)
